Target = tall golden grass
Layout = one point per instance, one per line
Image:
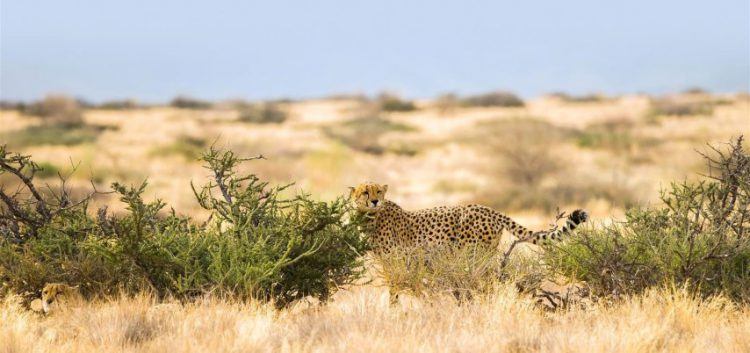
(361, 320)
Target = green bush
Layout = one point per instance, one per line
(125, 104)
(699, 238)
(494, 99)
(186, 102)
(255, 244)
(392, 103)
(586, 98)
(267, 113)
(57, 110)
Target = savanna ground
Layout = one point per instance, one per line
(362, 320)
(602, 154)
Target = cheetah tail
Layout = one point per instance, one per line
(576, 218)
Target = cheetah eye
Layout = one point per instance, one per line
(366, 193)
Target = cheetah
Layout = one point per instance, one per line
(391, 226)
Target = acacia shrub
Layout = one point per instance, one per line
(699, 238)
(256, 243)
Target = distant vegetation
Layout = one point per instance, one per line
(525, 147)
(57, 110)
(188, 147)
(125, 104)
(675, 107)
(62, 123)
(447, 103)
(262, 113)
(365, 134)
(586, 98)
(349, 96)
(47, 170)
(619, 136)
(12, 105)
(392, 103)
(692, 102)
(493, 99)
(55, 135)
(535, 176)
(696, 90)
(186, 102)
(612, 134)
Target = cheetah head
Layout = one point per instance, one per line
(369, 197)
(55, 293)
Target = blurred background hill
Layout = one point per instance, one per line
(526, 157)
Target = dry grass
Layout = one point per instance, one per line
(363, 321)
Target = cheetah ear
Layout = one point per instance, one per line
(385, 187)
(351, 190)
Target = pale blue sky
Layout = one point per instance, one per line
(154, 50)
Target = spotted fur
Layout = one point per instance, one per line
(391, 226)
